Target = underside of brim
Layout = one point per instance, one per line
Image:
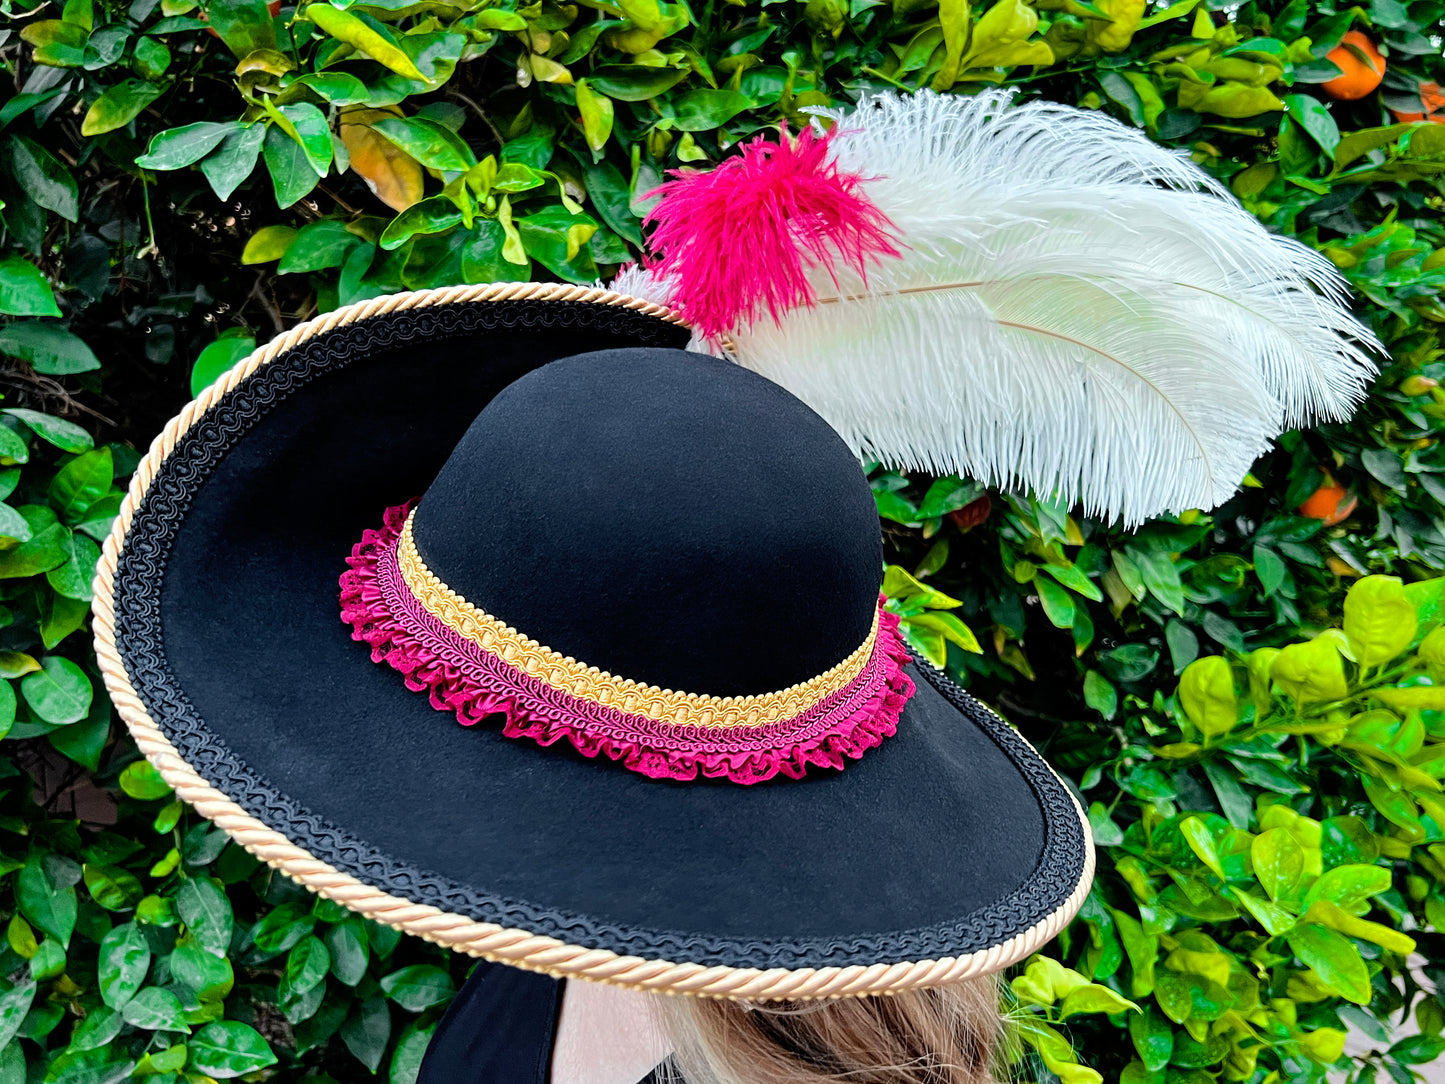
(948, 851)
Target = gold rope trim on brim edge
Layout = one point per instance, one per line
(519, 948)
(567, 675)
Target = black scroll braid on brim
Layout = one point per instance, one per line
(140, 580)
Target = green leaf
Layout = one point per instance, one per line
(1099, 694)
(282, 928)
(48, 348)
(1279, 862)
(155, 1009)
(204, 909)
(307, 964)
(80, 483)
(59, 693)
(125, 958)
(1094, 998)
(309, 129)
(1269, 566)
(83, 742)
(169, 1060)
(176, 148)
(610, 198)
(407, 1055)
(118, 106)
(1311, 115)
(894, 506)
(1206, 693)
(365, 36)
(349, 947)
(232, 162)
(1057, 603)
(217, 359)
(41, 553)
(366, 1031)
(1275, 919)
(101, 1025)
(73, 577)
(60, 616)
(1201, 841)
(436, 214)
(1046, 981)
(703, 110)
(1349, 886)
(291, 174)
(634, 82)
(1160, 576)
(244, 25)
(1379, 619)
(900, 586)
(46, 898)
(209, 976)
(556, 239)
(316, 247)
(13, 448)
(24, 291)
(113, 888)
(1072, 577)
(13, 524)
(1153, 1037)
(949, 627)
(597, 114)
(1310, 671)
(270, 243)
(1389, 939)
(152, 58)
(419, 987)
(1333, 959)
(141, 781)
(15, 1002)
(67, 436)
(229, 1048)
(57, 43)
(432, 144)
(44, 178)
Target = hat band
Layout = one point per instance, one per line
(566, 674)
(475, 666)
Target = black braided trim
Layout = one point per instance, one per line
(141, 571)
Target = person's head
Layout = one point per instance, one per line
(946, 1035)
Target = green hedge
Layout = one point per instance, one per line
(182, 180)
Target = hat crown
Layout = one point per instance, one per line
(665, 516)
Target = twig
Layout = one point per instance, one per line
(343, 204)
(479, 111)
(261, 296)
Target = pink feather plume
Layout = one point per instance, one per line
(742, 238)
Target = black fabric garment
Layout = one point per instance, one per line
(500, 1029)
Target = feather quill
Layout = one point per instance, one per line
(1075, 310)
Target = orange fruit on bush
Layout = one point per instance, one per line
(1361, 64)
(1432, 100)
(1331, 503)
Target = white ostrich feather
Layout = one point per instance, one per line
(1077, 311)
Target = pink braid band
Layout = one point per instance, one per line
(473, 683)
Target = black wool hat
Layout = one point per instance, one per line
(497, 616)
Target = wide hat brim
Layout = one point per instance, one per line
(951, 850)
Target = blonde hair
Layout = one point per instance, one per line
(949, 1035)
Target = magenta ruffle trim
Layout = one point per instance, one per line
(462, 678)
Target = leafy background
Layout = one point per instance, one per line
(1261, 753)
